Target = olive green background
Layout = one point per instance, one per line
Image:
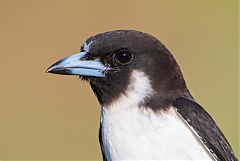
(44, 116)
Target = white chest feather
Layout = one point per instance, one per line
(130, 132)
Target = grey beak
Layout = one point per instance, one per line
(73, 65)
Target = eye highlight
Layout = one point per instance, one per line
(123, 56)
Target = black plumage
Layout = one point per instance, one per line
(145, 53)
(205, 127)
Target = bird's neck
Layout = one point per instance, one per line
(141, 89)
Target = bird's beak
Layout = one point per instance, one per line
(76, 65)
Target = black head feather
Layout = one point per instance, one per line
(149, 56)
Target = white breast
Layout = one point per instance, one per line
(130, 132)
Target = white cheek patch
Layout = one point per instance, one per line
(138, 89)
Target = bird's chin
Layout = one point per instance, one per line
(84, 78)
(88, 79)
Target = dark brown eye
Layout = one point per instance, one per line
(123, 56)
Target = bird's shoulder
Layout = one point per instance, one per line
(204, 127)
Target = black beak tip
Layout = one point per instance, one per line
(53, 69)
(61, 71)
(49, 69)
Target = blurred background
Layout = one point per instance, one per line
(45, 116)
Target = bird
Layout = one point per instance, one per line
(147, 111)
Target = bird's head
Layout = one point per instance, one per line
(126, 62)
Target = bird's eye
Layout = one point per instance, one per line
(123, 56)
